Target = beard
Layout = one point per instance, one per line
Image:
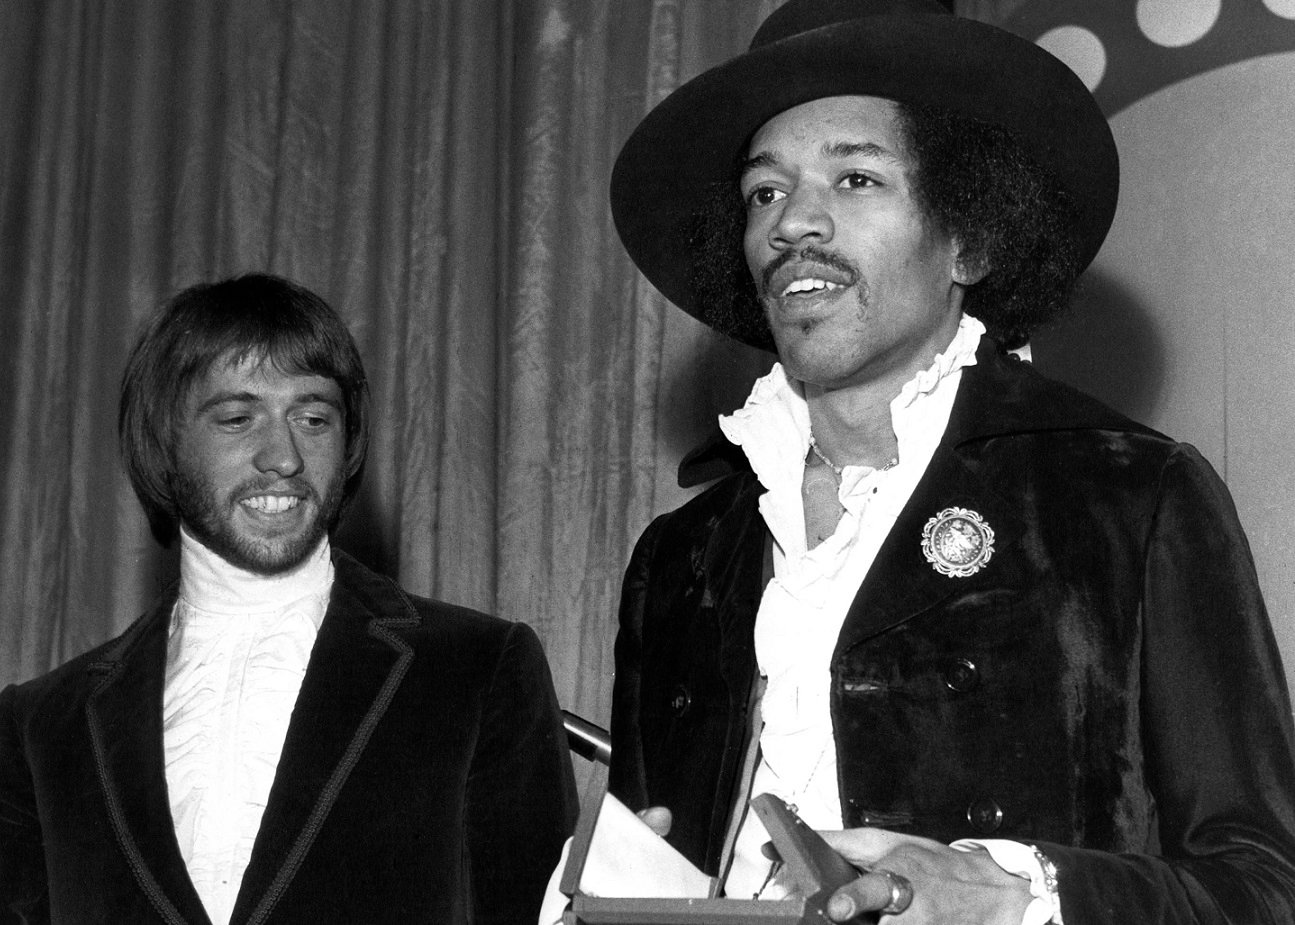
(210, 518)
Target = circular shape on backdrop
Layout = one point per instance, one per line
(1081, 50)
(1283, 8)
(1175, 23)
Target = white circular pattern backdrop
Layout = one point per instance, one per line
(1080, 49)
(1175, 23)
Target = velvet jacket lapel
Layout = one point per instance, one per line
(996, 397)
(124, 713)
(736, 562)
(901, 582)
(356, 666)
(355, 669)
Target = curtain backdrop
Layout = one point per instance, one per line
(436, 169)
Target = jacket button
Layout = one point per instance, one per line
(961, 676)
(985, 816)
(680, 700)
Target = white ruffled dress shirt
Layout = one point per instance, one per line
(805, 603)
(236, 655)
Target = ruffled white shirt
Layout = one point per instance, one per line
(806, 602)
(236, 655)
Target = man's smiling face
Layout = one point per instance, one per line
(859, 286)
(259, 463)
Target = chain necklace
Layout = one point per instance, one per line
(813, 445)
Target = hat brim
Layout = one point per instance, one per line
(693, 138)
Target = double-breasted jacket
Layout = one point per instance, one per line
(1105, 685)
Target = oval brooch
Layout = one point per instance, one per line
(957, 542)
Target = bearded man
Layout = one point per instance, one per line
(285, 736)
(1010, 639)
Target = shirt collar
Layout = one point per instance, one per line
(772, 428)
(210, 584)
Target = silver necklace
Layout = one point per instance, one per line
(813, 445)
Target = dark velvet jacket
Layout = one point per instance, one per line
(424, 777)
(1106, 686)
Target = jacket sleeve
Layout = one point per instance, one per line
(23, 885)
(627, 780)
(521, 798)
(1217, 733)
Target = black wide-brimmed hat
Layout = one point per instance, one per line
(911, 51)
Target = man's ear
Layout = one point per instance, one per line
(969, 268)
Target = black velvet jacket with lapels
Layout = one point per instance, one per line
(424, 778)
(1106, 686)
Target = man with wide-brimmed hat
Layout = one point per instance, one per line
(1010, 639)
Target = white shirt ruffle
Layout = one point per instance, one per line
(804, 605)
(237, 652)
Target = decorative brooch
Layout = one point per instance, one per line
(957, 542)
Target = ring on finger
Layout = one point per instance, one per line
(901, 891)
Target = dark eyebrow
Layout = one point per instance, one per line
(763, 159)
(836, 149)
(305, 398)
(311, 398)
(221, 398)
(858, 149)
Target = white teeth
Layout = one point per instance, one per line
(809, 285)
(271, 504)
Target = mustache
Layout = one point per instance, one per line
(810, 253)
(257, 486)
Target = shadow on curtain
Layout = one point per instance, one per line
(438, 171)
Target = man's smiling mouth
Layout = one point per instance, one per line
(811, 271)
(271, 504)
(809, 284)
